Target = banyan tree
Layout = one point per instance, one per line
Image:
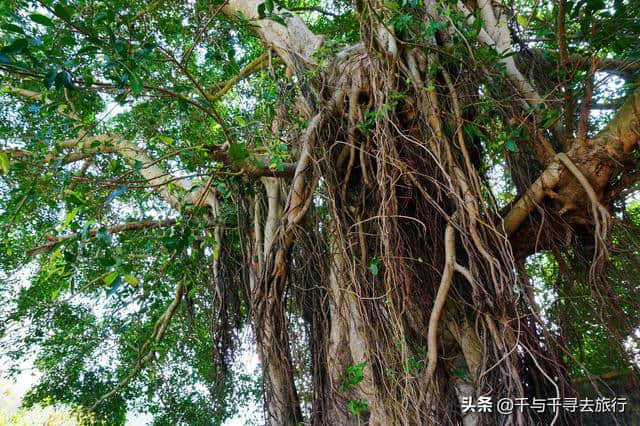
(395, 207)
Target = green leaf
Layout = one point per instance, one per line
(279, 19)
(261, 13)
(67, 40)
(166, 140)
(354, 374)
(357, 407)
(18, 45)
(136, 84)
(74, 197)
(63, 12)
(132, 280)
(392, 5)
(473, 131)
(113, 165)
(268, 4)
(511, 145)
(373, 268)
(12, 28)
(4, 162)
(523, 21)
(238, 152)
(41, 19)
(69, 217)
(110, 277)
(549, 116)
(115, 286)
(460, 373)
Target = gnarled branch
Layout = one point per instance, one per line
(123, 227)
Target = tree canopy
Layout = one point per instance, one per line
(394, 204)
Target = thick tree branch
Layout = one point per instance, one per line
(115, 229)
(534, 195)
(617, 140)
(137, 157)
(624, 68)
(626, 124)
(30, 94)
(255, 167)
(294, 43)
(111, 144)
(598, 212)
(258, 64)
(495, 33)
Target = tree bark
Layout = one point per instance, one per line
(488, 272)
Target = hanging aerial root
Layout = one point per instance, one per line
(598, 211)
(441, 298)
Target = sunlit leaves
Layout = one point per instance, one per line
(4, 162)
(132, 280)
(69, 217)
(110, 278)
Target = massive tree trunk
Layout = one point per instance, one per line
(424, 306)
